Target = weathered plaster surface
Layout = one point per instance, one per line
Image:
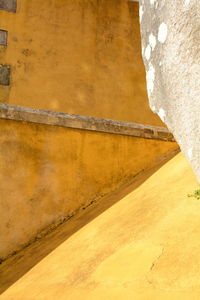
(171, 32)
(48, 173)
(78, 57)
(144, 247)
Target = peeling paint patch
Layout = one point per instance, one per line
(162, 33)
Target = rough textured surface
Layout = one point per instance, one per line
(171, 52)
(3, 37)
(18, 113)
(144, 247)
(4, 75)
(9, 5)
(47, 173)
(79, 57)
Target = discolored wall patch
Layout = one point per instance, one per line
(3, 37)
(4, 75)
(9, 5)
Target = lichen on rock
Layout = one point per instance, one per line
(170, 33)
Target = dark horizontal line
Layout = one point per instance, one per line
(19, 113)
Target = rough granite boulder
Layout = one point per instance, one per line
(170, 32)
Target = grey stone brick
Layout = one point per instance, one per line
(4, 75)
(3, 37)
(9, 5)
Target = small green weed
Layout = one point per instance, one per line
(195, 195)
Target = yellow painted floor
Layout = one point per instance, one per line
(145, 246)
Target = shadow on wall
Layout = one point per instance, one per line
(16, 266)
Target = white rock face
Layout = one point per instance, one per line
(162, 32)
(171, 36)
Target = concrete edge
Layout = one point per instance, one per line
(19, 113)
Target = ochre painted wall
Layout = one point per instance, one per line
(49, 172)
(77, 56)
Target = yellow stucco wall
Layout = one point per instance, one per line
(48, 172)
(77, 56)
(144, 247)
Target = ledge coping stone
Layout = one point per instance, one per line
(19, 113)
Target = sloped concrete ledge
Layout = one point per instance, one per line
(19, 113)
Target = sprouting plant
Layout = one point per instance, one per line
(196, 194)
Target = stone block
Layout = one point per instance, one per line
(9, 5)
(4, 75)
(3, 37)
